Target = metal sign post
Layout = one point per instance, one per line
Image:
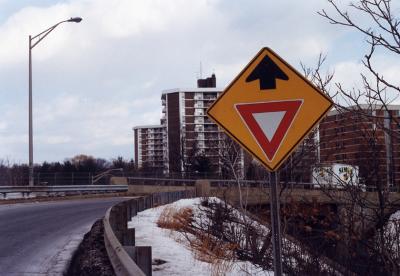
(275, 223)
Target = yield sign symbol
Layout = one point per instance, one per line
(269, 122)
(269, 108)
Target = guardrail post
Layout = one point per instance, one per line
(122, 216)
(153, 201)
(143, 259)
(157, 199)
(142, 256)
(128, 211)
(140, 204)
(134, 207)
(162, 198)
(129, 237)
(166, 198)
(148, 202)
(120, 223)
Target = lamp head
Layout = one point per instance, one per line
(75, 19)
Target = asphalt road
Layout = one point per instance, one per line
(39, 238)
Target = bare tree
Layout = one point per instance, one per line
(231, 157)
(382, 34)
(362, 232)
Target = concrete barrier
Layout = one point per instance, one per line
(151, 189)
(203, 188)
(116, 180)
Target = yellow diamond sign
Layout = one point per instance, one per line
(269, 108)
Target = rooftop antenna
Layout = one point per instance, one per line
(201, 71)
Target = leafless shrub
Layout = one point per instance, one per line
(220, 235)
(362, 240)
(205, 247)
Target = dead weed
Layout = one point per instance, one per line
(205, 247)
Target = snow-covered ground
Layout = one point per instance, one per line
(395, 216)
(179, 258)
(392, 228)
(392, 225)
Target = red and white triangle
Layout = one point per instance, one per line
(269, 122)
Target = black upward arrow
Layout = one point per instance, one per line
(267, 72)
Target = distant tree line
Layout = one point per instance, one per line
(76, 170)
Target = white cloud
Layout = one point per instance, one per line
(125, 18)
(53, 139)
(348, 73)
(13, 139)
(94, 81)
(3, 125)
(31, 21)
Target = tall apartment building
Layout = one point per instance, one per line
(149, 147)
(186, 140)
(189, 132)
(368, 139)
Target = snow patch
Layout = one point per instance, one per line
(179, 259)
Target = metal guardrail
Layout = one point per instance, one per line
(122, 263)
(126, 258)
(26, 190)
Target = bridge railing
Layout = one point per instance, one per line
(214, 182)
(245, 183)
(64, 189)
(125, 257)
(160, 181)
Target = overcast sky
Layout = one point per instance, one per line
(94, 81)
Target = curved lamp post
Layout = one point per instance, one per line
(33, 41)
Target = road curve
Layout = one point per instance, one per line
(38, 238)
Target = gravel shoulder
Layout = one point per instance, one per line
(91, 259)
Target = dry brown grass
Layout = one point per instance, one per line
(175, 219)
(219, 254)
(205, 247)
(209, 249)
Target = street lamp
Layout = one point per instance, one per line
(32, 44)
